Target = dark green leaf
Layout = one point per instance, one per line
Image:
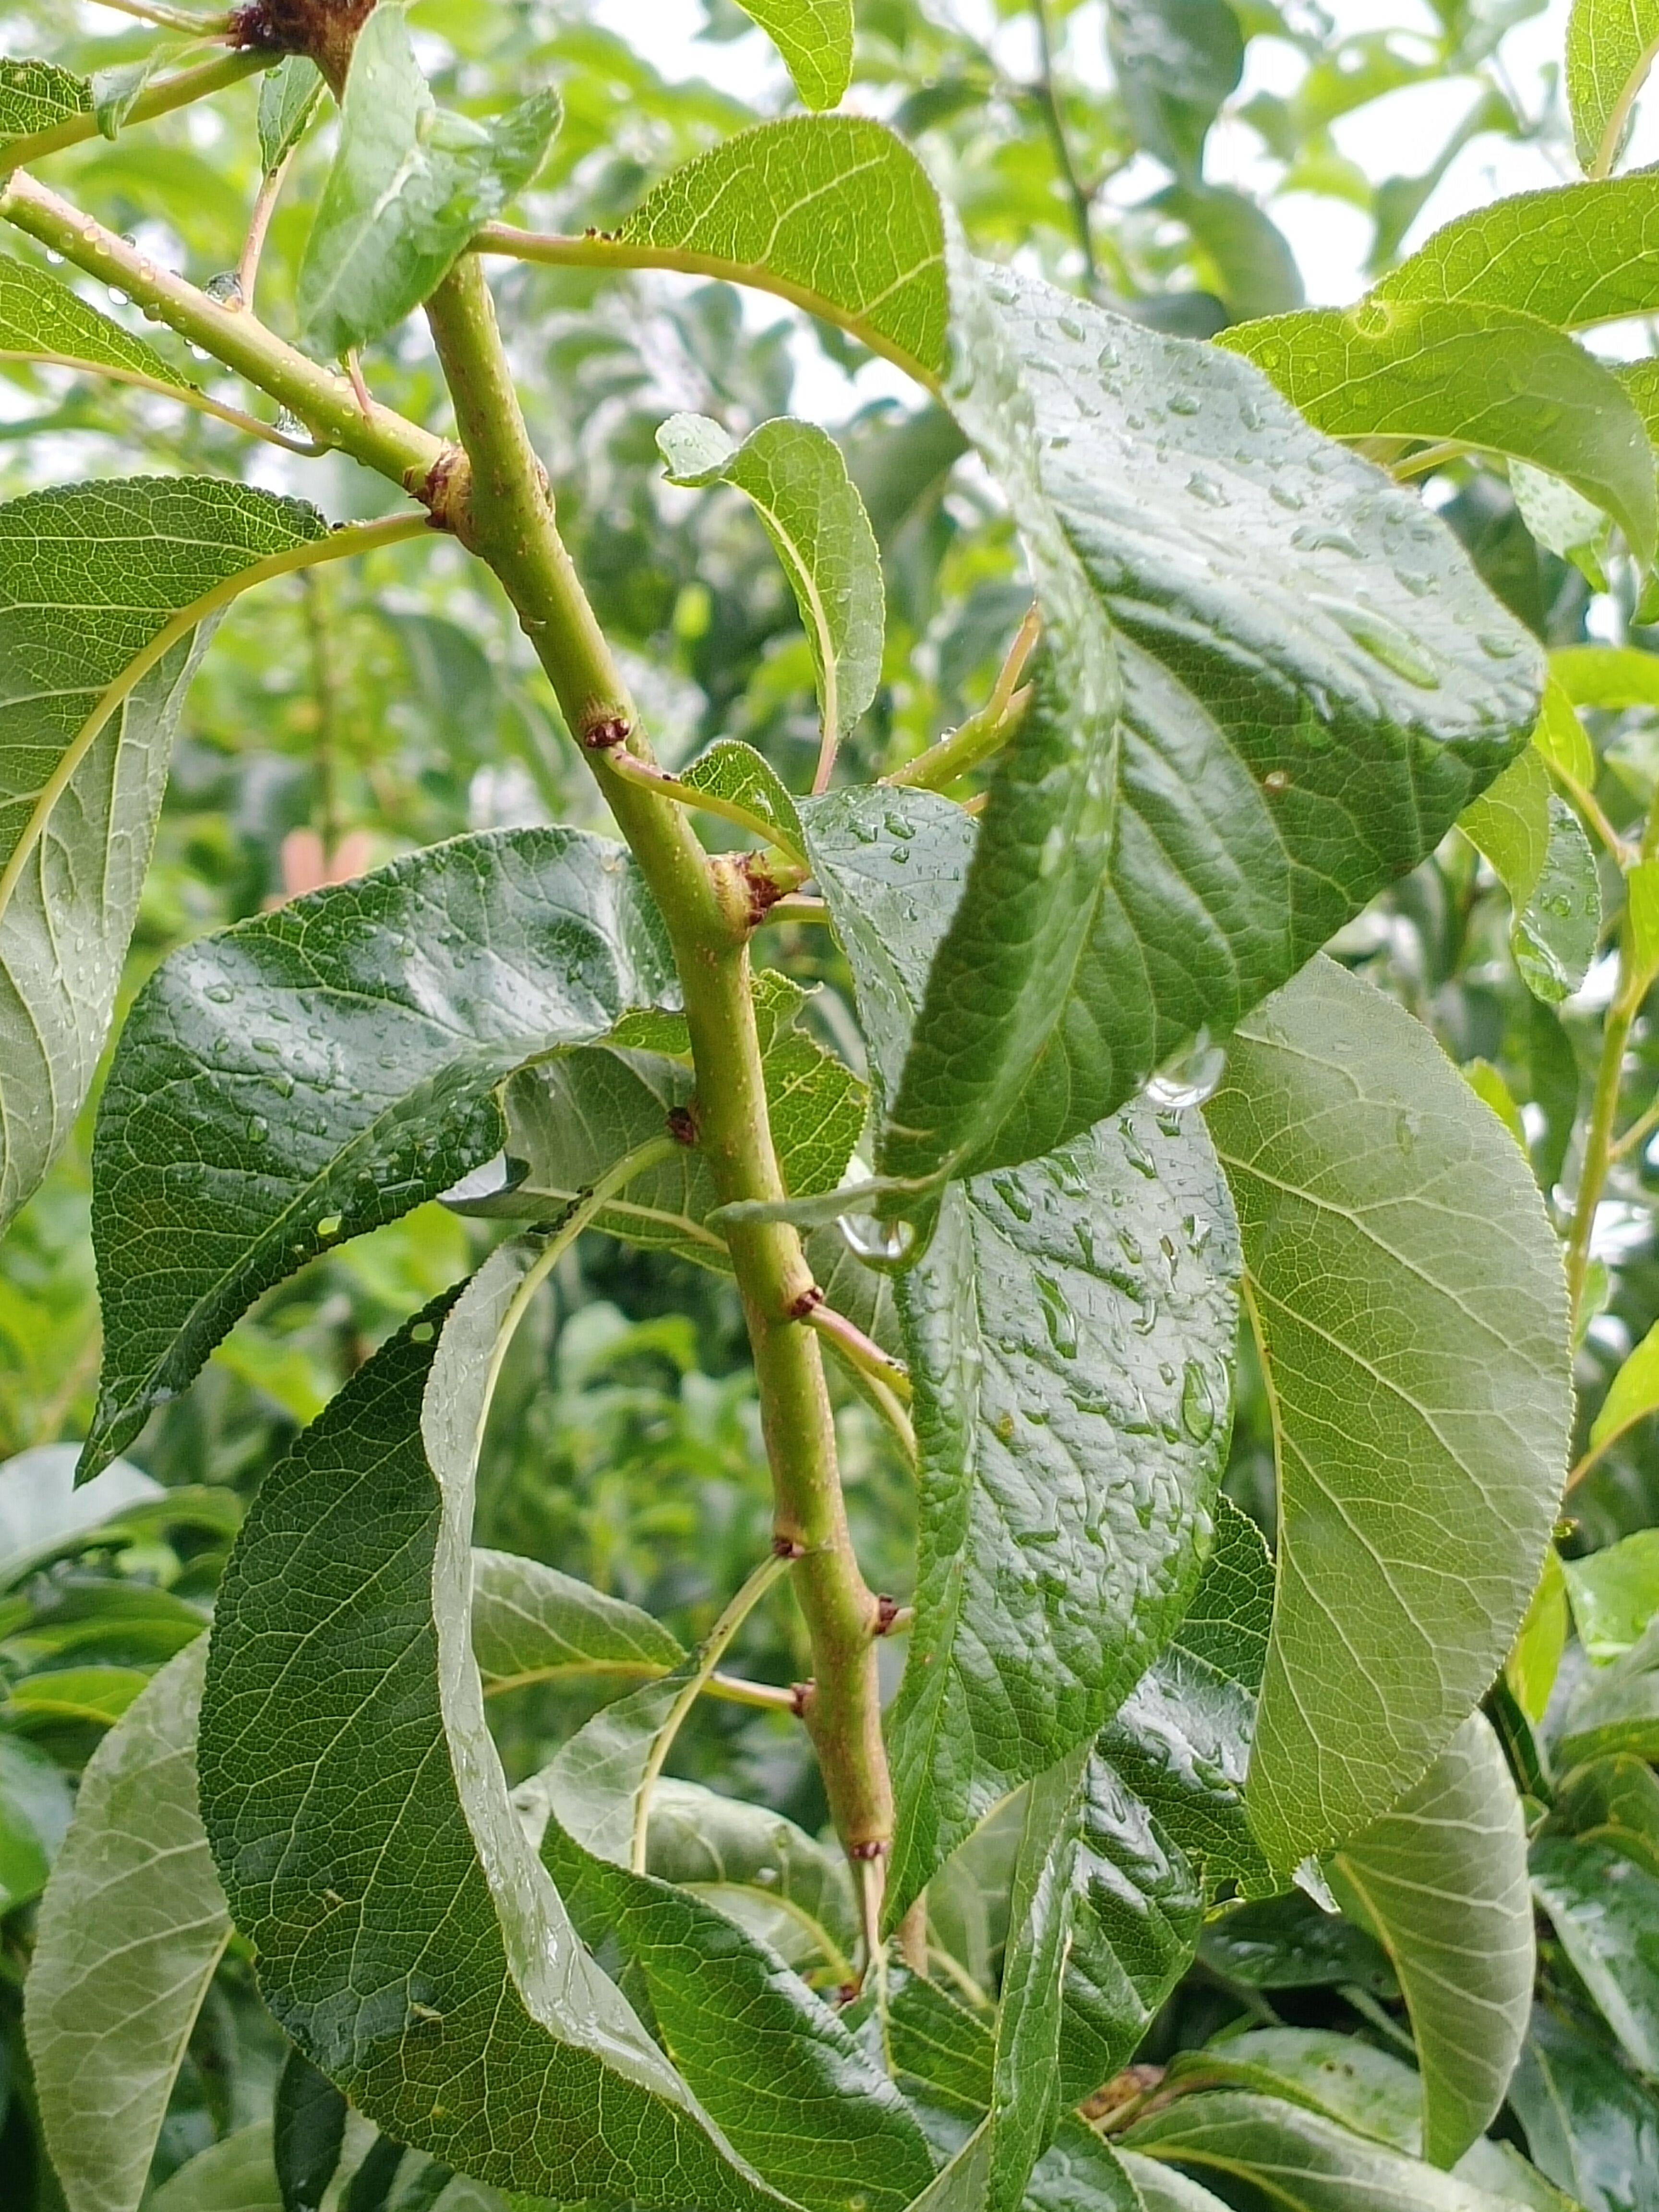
(236, 2175)
(313, 1072)
(789, 204)
(815, 37)
(1590, 2126)
(90, 576)
(1289, 1943)
(35, 95)
(1614, 1801)
(343, 1714)
(1481, 374)
(1254, 269)
(34, 1812)
(797, 478)
(794, 2093)
(1407, 1294)
(307, 2131)
(1080, 2173)
(1440, 1880)
(1181, 1740)
(131, 1928)
(1176, 61)
(1605, 1911)
(1135, 1928)
(1616, 1709)
(411, 184)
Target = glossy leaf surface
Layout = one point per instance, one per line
(315, 1072)
(131, 1928)
(1591, 2126)
(1408, 1296)
(1536, 843)
(532, 1624)
(409, 186)
(89, 576)
(797, 478)
(1440, 1880)
(1605, 1911)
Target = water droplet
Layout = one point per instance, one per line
(1405, 1132)
(257, 1128)
(1497, 647)
(1190, 1076)
(879, 1243)
(1197, 1410)
(1283, 495)
(329, 1226)
(1057, 1316)
(1136, 1153)
(1276, 781)
(225, 288)
(1317, 538)
(1207, 490)
(220, 993)
(1182, 403)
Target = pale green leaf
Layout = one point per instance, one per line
(1407, 1296)
(1489, 1086)
(1615, 1802)
(1605, 1911)
(1562, 522)
(130, 1929)
(288, 98)
(834, 212)
(36, 95)
(1632, 1393)
(1572, 256)
(41, 1512)
(115, 91)
(1562, 739)
(532, 1624)
(236, 2175)
(41, 319)
(1166, 2189)
(1441, 1881)
(1617, 1708)
(391, 1007)
(592, 1786)
(1538, 848)
(90, 576)
(815, 37)
(1484, 375)
(731, 775)
(1615, 1592)
(1642, 915)
(746, 1857)
(1176, 61)
(1613, 676)
(796, 476)
(92, 1697)
(1532, 1666)
(344, 1712)
(1610, 49)
(410, 186)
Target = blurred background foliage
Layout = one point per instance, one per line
(346, 717)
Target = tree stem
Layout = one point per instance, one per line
(173, 92)
(506, 517)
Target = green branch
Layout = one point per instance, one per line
(173, 92)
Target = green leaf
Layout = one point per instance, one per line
(815, 37)
(1070, 1360)
(1165, 2189)
(1289, 1942)
(343, 1712)
(1615, 1592)
(36, 95)
(1300, 2160)
(1617, 1708)
(797, 478)
(410, 186)
(1610, 50)
(789, 204)
(1025, 2073)
(1608, 676)
(130, 1930)
(41, 319)
(90, 577)
(1314, 685)
(1632, 1396)
(42, 1513)
(1003, 969)
(313, 1072)
(1440, 1880)
(1614, 1801)
(795, 2093)
(94, 1696)
(1530, 1670)
(236, 2175)
(1481, 374)
(571, 1119)
(1406, 1295)
(289, 96)
(1605, 1911)
(591, 1785)
(1176, 61)
(733, 778)
(532, 1624)
(308, 2123)
(1181, 1740)
(114, 91)
(1136, 1926)
(1590, 2126)
(1534, 841)
(1252, 265)
(34, 1811)
(1562, 521)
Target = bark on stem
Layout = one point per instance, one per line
(506, 517)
